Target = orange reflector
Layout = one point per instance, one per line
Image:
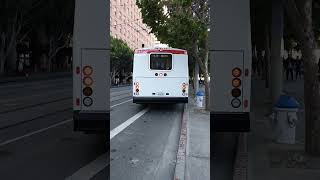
(236, 72)
(87, 81)
(87, 70)
(236, 82)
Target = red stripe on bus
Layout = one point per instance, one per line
(160, 50)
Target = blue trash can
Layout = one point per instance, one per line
(199, 98)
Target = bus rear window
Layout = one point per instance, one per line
(161, 61)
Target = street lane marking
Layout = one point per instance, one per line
(121, 103)
(34, 132)
(91, 169)
(127, 123)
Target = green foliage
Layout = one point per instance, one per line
(178, 27)
(121, 55)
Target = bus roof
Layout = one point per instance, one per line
(158, 50)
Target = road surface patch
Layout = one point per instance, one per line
(127, 123)
(89, 171)
(34, 132)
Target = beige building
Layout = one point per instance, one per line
(126, 24)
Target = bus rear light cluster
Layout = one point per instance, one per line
(137, 88)
(184, 87)
(87, 82)
(236, 83)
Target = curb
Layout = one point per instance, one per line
(179, 173)
(241, 161)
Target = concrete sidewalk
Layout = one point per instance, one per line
(269, 160)
(198, 143)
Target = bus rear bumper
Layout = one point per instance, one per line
(230, 122)
(142, 100)
(91, 122)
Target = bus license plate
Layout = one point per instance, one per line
(160, 93)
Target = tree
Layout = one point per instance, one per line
(181, 24)
(53, 26)
(301, 17)
(14, 28)
(120, 57)
(51, 22)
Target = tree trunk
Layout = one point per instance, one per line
(2, 53)
(196, 77)
(311, 85)
(267, 57)
(204, 68)
(300, 16)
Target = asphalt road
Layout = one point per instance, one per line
(144, 138)
(37, 140)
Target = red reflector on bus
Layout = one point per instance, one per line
(78, 70)
(246, 72)
(246, 103)
(78, 102)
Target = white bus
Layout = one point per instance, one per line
(230, 56)
(91, 107)
(160, 75)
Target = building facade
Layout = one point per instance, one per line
(126, 24)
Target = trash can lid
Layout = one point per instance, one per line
(200, 93)
(286, 101)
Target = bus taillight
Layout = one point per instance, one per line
(236, 83)
(184, 87)
(78, 70)
(78, 102)
(87, 70)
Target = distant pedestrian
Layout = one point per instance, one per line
(289, 66)
(27, 66)
(254, 64)
(117, 80)
(285, 66)
(298, 65)
(20, 63)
